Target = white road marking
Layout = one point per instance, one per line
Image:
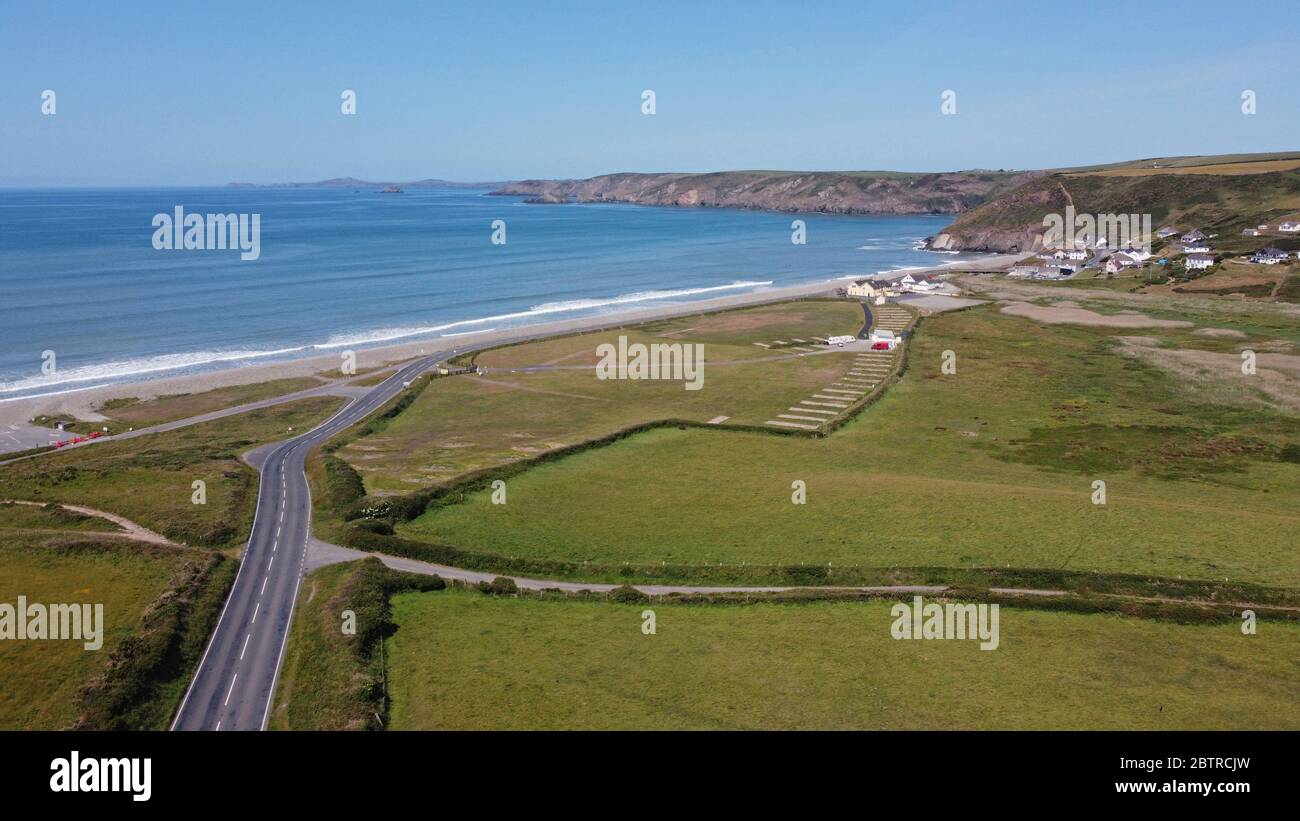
(268, 564)
(232, 688)
(264, 581)
(241, 652)
(255, 609)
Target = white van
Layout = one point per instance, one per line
(841, 341)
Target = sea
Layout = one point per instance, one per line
(87, 300)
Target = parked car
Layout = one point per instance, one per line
(880, 346)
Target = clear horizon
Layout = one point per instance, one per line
(172, 100)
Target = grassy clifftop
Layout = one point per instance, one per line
(835, 192)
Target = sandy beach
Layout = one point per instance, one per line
(83, 403)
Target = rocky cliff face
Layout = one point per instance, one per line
(1010, 223)
(818, 192)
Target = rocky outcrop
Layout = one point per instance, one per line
(862, 192)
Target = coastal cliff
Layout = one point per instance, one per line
(1223, 197)
(852, 192)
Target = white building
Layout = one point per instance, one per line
(918, 282)
(1199, 261)
(1118, 262)
(1166, 232)
(1199, 246)
(1250, 232)
(1269, 256)
(1289, 227)
(1192, 236)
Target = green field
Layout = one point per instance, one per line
(330, 680)
(462, 660)
(149, 478)
(465, 423)
(989, 468)
(43, 683)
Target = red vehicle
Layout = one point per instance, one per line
(880, 346)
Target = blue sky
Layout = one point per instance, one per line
(207, 93)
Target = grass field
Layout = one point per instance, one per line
(1222, 168)
(42, 682)
(331, 680)
(463, 660)
(132, 413)
(149, 478)
(990, 467)
(469, 422)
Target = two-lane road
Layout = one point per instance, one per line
(235, 681)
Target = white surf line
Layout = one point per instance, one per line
(241, 652)
(231, 690)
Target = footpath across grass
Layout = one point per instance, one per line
(130, 412)
(460, 659)
(149, 479)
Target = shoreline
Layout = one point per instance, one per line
(83, 402)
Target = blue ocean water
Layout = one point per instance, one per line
(346, 268)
